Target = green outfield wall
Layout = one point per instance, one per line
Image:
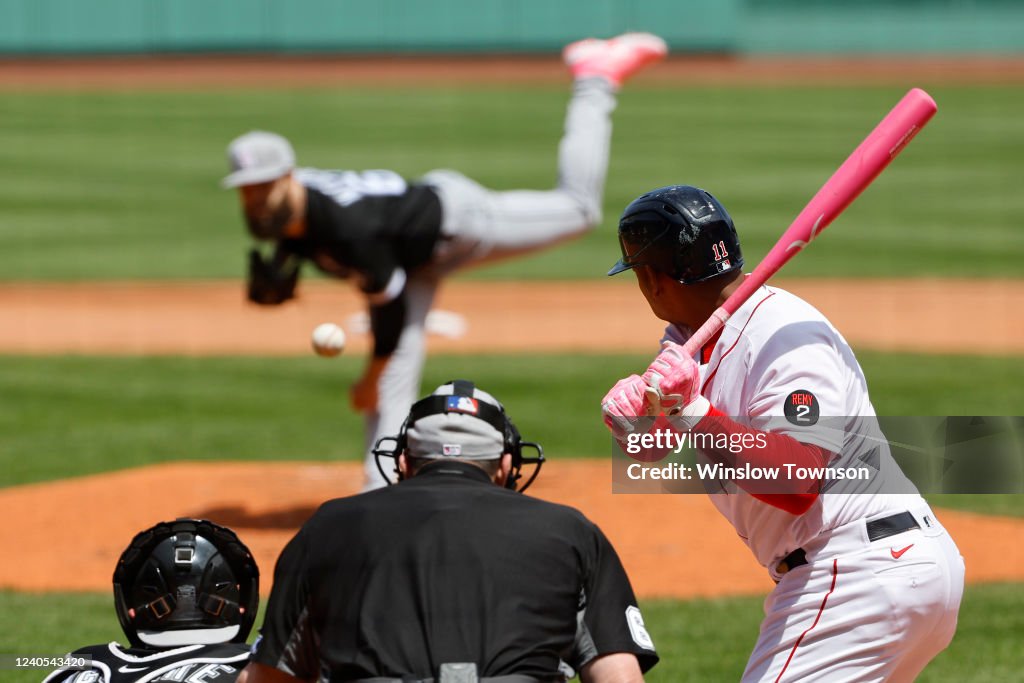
(722, 26)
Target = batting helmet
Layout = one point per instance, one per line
(186, 582)
(462, 422)
(681, 231)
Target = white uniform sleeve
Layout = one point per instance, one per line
(677, 334)
(799, 386)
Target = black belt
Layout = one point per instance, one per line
(890, 526)
(797, 558)
(877, 530)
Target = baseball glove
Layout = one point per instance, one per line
(271, 281)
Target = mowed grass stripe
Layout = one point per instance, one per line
(698, 640)
(72, 415)
(125, 184)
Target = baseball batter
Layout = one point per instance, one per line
(869, 582)
(398, 239)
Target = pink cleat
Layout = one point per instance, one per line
(615, 59)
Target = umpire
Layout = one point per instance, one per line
(452, 574)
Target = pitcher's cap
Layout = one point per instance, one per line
(258, 157)
(457, 433)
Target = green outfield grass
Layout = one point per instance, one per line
(698, 640)
(66, 416)
(102, 185)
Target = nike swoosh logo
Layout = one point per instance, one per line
(897, 554)
(130, 669)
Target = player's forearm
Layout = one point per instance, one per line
(364, 392)
(765, 450)
(618, 667)
(255, 672)
(375, 366)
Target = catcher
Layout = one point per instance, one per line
(186, 594)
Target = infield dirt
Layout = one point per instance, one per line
(672, 545)
(295, 71)
(603, 316)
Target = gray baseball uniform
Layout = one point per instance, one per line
(480, 225)
(398, 240)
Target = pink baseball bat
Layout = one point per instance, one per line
(870, 158)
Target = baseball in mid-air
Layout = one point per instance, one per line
(328, 340)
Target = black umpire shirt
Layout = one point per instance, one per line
(447, 567)
(373, 227)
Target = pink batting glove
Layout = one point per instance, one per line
(673, 385)
(623, 404)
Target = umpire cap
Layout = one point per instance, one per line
(679, 230)
(469, 424)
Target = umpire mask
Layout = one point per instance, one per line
(461, 422)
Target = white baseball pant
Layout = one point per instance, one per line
(862, 611)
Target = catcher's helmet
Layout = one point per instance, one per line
(426, 434)
(681, 231)
(186, 582)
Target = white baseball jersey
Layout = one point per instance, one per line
(780, 366)
(859, 608)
